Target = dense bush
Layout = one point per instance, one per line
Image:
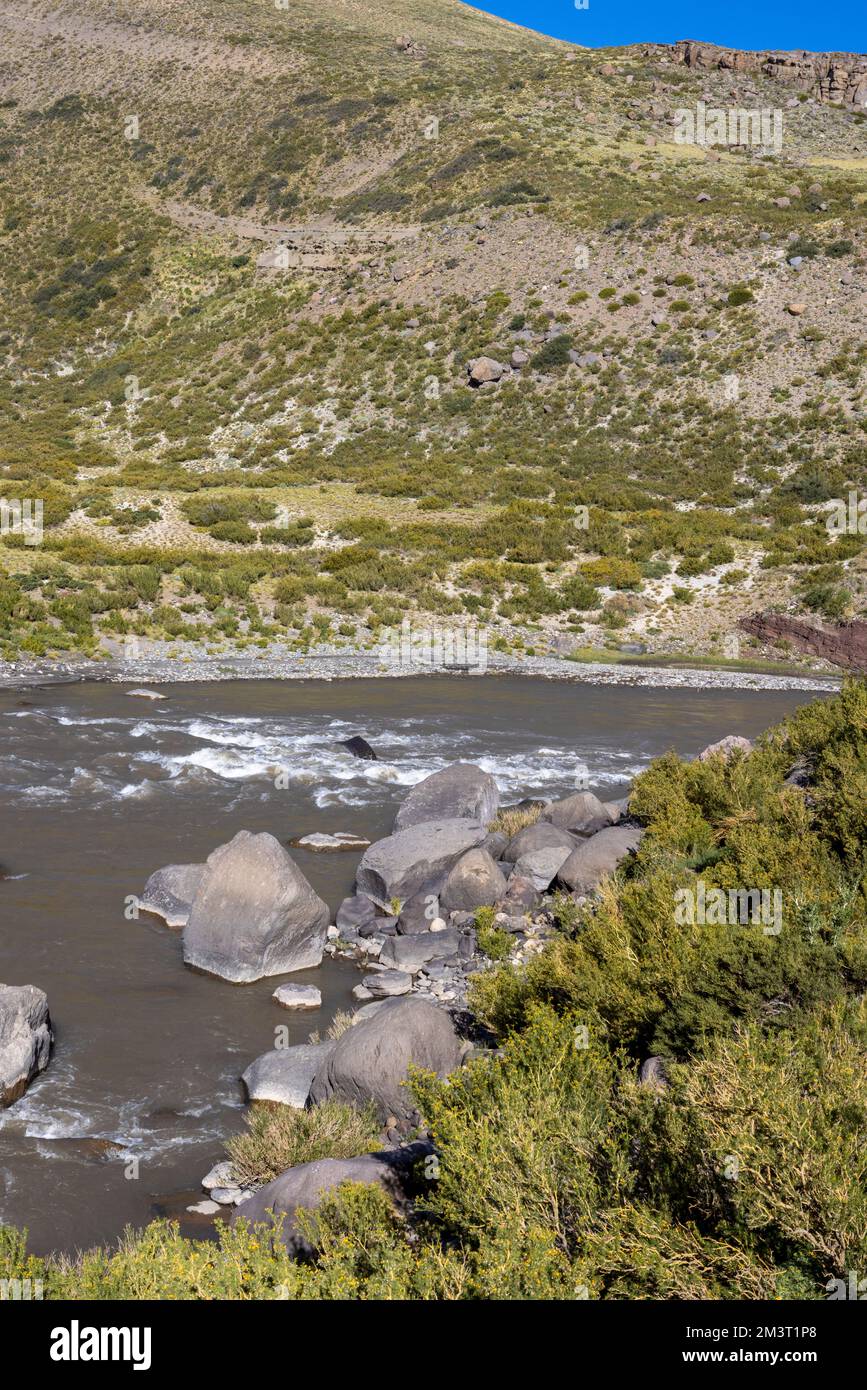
(277, 1137)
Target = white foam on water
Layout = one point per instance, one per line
(83, 721)
(236, 738)
(134, 790)
(304, 752)
(43, 793)
(50, 1111)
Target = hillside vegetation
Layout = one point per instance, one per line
(237, 445)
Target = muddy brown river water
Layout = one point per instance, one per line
(99, 789)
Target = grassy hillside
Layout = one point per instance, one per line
(237, 445)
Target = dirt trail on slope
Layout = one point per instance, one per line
(199, 219)
(309, 245)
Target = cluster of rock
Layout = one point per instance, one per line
(833, 77)
(412, 918)
(486, 372)
(247, 912)
(368, 1064)
(411, 924)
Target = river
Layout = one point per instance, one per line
(100, 788)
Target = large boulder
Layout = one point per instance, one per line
(462, 790)
(285, 1074)
(370, 1061)
(169, 892)
(420, 910)
(483, 369)
(541, 866)
(540, 835)
(304, 1186)
(732, 743)
(474, 881)
(522, 896)
(255, 914)
(25, 1039)
(354, 913)
(599, 856)
(410, 953)
(582, 813)
(402, 864)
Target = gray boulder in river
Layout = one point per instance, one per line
(255, 914)
(462, 790)
(372, 1059)
(169, 892)
(600, 855)
(285, 1074)
(387, 984)
(400, 865)
(358, 747)
(305, 1185)
(25, 1039)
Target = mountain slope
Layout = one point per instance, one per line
(249, 253)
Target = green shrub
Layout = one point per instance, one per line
(612, 573)
(554, 354)
(579, 593)
(739, 295)
(493, 942)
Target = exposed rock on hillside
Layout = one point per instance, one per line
(832, 77)
(844, 645)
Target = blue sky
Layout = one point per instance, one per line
(833, 25)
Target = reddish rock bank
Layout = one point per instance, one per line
(844, 644)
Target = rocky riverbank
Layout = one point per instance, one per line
(458, 886)
(330, 663)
